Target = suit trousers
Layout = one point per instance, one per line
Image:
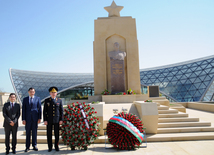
(8, 130)
(31, 126)
(49, 134)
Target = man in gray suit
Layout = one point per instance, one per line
(11, 113)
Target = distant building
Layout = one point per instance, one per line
(180, 82)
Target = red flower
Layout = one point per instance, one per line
(124, 93)
(69, 137)
(89, 113)
(95, 135)
(95, 112)
(89, 138)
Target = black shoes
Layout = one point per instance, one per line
(14, 151)
(49, 150)
(27, 149)
(7, 152)
(57, 148)
(35, 148)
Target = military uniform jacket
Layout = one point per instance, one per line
(53, 110)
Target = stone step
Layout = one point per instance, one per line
(163, 107)
(43, 140)
(172, 115)
(150, 137)
(40, 132)
(183, 124)
(180, 136)
(41, 127)
(170, 111)
(185, 129)
(185, 119)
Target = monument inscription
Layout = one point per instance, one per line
(117, 69)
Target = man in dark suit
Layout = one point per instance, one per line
(11, 113)
(31, 117)
(53, 116)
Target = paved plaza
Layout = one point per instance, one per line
(153, 148)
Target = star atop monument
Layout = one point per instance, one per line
(113, 10)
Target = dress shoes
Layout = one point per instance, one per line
(14, 151)
(7, 152)
(57, 148)
(27, 149)
(49, 150)
(35, 148)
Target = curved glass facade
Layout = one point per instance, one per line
(182, 82)
(185, 82)
(42, 81)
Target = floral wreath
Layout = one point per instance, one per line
(125, 131)
(80, 126)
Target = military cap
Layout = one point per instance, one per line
(53, 89)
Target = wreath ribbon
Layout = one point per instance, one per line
(84, 115)
(129, 126)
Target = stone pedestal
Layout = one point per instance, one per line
(148, 112)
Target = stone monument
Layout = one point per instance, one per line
(117, 69)
(107, 31)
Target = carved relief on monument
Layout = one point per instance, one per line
(116, 64)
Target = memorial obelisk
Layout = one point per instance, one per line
(116, 68)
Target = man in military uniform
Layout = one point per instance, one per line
(53, 116)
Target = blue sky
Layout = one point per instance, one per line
(57, 35)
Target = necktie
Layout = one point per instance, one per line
(31, 102)
(12, 106)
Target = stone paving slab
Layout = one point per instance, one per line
(156, 148)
